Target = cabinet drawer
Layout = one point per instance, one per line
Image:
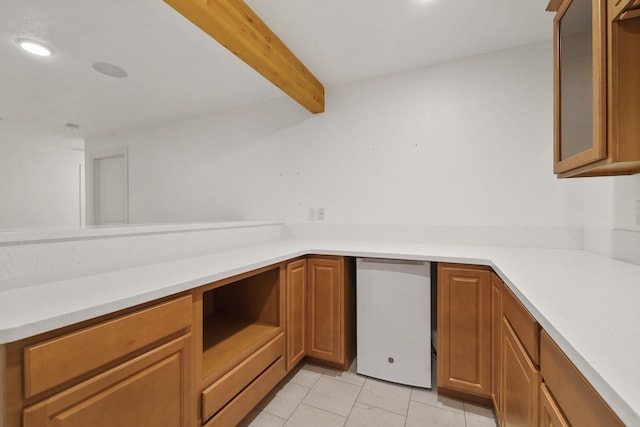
(222, 391)
(577, 399)
(153, 389)
(243, 403)
(73, 355)
(523, 324)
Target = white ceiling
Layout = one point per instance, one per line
(175, 70)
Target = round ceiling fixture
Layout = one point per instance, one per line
(34, 47)
(110, 70)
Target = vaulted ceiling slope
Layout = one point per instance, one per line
(175, 70)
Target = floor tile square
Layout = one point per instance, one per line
(284, 400)
(349, 376)
(478, 416)
(421, 415)
(308, 416)
(431, 397)
(385, 395)
(307, 375)
(332, 395)
(368, 416)
(262, 419)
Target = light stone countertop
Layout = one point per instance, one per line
(589, 304)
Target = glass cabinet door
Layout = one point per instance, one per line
(580, 60)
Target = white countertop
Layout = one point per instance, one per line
(587, 303)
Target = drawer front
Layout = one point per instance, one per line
(222, 391)
(577, 399)
(248, 398)
(523, 324)
(73, 355)
(153, 389)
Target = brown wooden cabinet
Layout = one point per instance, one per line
(574, 397)
(331, 310)
(464, 331)
(130, 369)
(296, 311)
(243, 346)
(520, 381)
(597, 85)
(550, 414)
(150, 390)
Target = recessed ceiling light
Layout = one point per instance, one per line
(34, 47)
(110, 70)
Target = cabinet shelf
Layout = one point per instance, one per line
(237, 319)
(228, 340)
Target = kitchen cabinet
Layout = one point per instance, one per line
(243, 343)
(496, 340)
(550, 414)
(519, 377)
(148, 390)
(132, 369)
(569, 390)
(464, 331)
(597, 85)
(331, 310)
(493, 351)
(519, 382)
(296, 311)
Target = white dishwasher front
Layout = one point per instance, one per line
(394, 320)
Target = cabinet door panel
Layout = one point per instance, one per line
(464, 337)
(580, 86)
(520, 380)
(296, 311)
(151, 390)
(550, 414)
(325, 308)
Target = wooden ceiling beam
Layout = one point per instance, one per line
(238, 28)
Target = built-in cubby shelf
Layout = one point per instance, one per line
(238, 319)
(228, 340)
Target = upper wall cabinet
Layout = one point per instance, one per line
(597, 87)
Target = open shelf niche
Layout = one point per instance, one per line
(239, 318)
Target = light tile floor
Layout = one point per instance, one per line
(312, 396)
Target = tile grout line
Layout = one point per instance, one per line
(331, 412)
(355, 401)
(305, 396)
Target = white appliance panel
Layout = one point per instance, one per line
(394, 321)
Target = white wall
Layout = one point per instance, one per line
(610, 226)
(462, 144)
(39, 186)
